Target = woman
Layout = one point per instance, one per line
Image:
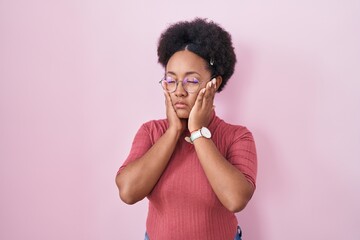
(195, 169)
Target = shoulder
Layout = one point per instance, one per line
(229, 130)
(155, 127)
(159, 123)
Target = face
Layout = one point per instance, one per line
(181, 65)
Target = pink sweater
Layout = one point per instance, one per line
(183, 205)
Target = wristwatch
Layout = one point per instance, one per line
(202, 132)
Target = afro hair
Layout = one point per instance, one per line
(204, 38)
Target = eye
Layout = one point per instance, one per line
(192, 80)
(169, 79)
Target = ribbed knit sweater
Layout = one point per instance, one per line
(182, 205)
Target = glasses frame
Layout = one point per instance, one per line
(177, 84)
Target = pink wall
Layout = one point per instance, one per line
(77, 78)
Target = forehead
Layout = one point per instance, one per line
(185, 61)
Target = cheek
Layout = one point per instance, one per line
(192, 99)
(173, 98)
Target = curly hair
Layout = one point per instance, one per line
(204, 38)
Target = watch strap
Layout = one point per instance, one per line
(195, 135)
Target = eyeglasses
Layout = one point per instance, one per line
(190, 84)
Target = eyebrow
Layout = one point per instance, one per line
(187, 73)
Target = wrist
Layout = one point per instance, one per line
(202, 132)
(193, 129)
(174, 132)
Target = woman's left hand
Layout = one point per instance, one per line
(200, 113)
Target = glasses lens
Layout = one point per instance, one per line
(191, 84)
(168, 84)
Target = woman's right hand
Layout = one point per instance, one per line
(175, 123)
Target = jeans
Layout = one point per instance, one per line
(237, 236)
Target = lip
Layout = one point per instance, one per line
(180, 105)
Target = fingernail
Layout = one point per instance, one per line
(203, 90)
(214, 82)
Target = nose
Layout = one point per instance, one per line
(180, 91)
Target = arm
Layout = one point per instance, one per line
(229, 184)
(138, 178)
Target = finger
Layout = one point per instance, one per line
(209, 93)
(167, 98)
(214, 83)
(211, 86)
(200, 96)
(168, 103)
(214, 87)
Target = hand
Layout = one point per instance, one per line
(201, 112)
(174, 121)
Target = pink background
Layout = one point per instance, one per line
(77, 78)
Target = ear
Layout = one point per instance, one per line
(218, 82)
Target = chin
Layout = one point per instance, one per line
(182, 114)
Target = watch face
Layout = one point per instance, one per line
(205, 132)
